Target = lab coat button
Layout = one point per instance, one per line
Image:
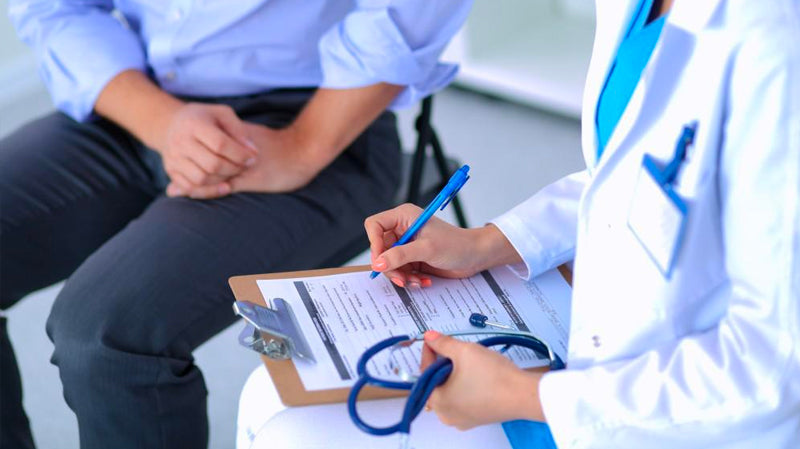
(596, 340)
(169, 76)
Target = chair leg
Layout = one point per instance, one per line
(444, 172)
(427, 136)
(423, 125)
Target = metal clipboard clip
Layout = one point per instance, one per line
(272, 331)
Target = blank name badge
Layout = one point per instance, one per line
(657, 217)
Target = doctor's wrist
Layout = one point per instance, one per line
(494, 248)
(529, 405)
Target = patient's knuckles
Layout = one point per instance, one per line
(223, 110)
(216, 165)
(202, 178)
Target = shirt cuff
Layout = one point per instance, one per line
(367, 48)
(75, 78)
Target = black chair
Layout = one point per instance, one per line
(418, 186)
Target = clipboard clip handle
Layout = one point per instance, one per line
(273, 332)
(274, 348)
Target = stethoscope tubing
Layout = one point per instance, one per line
(435, 375)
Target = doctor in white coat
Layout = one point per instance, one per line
(685, 328)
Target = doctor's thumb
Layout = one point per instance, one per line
(395, 257)
(442, 344)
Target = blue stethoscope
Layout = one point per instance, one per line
(436, 374)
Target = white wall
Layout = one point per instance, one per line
(22, 94)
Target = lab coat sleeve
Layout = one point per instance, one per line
(544, 227)
(79, 46)
(393, 41)
(740, 376)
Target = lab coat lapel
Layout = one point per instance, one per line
(612, 17)
(655, 88)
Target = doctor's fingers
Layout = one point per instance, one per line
(389, 239)
(427, 357)
(395, 220)
(407, 276)
(447, 410)
(399, 256)
(411, 275)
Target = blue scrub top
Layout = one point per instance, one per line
(632, 56)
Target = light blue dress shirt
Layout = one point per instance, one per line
(227, 48)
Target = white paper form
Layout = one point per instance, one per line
(342, 315)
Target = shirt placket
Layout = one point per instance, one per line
(162, 51)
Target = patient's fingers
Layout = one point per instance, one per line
(209, 192)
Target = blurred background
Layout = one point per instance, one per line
(512, 115)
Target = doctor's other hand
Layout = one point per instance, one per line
(484, 386)
(202, 147)
(439, 248)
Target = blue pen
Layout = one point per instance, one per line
(441, 201)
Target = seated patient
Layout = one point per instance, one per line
(685, 324)
(271, 111)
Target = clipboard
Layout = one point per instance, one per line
(283, 372)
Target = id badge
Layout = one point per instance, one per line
(657, 216)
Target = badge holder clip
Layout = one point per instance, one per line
(272, 331)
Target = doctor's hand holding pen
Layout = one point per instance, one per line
(439, 249)
(470, 397)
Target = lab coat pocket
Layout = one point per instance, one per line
(699, 265)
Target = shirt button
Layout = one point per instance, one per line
(176, 15)
(596, 340)
(169, 76)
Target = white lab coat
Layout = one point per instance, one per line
(711, 356)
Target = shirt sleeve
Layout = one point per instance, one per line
(543, 229)
(79, 46)
(738, 378)
(393, 41)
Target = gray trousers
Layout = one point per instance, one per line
(147, 275)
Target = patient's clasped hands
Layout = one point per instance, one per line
(209, 152)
